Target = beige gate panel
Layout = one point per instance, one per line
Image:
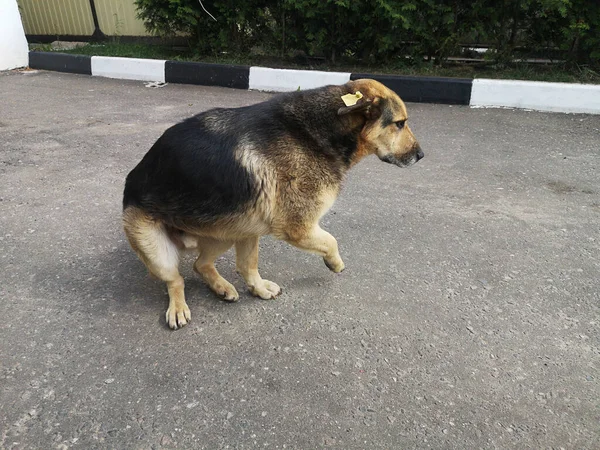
(57, 17)
(74, 18)
(119, 18)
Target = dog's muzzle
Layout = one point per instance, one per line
(406, 160)
(420, 154)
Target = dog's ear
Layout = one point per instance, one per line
(368, 107)
(361, 105)
(366, 97)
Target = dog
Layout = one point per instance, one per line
(228, 176)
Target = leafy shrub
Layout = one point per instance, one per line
(381, 30)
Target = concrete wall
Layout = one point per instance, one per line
(14, 51)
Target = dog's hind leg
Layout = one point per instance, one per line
(246, 252)
(211, 249)
(318, 241)
(148, 237)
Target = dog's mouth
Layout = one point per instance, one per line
(406, 160)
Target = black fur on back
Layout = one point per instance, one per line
(191, 171)
(311, 119)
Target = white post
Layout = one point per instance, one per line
(14, 51)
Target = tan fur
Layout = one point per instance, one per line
(151, 242)
(211, 249)
(376, 139)
(295, 191)
(247, 266)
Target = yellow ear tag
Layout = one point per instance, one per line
(351, 99)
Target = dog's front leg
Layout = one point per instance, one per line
(246, 254)
(316, 240)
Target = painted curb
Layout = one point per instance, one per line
(128, 68)
(537, 95)
(452, 91)
(61, 62)
(285, 80)
(207, 74)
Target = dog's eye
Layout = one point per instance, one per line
(400, 124)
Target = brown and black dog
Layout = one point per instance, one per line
(228, 176)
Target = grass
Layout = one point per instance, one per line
(129, 50)
(519, 71)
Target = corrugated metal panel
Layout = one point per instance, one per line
(57, 17)
(119, 18)
(74, 17)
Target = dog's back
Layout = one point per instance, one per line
(225, 164)
(191, 172)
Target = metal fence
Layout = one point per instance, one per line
(81, 18)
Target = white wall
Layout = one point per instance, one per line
(14, 51)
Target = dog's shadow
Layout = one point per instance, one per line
(116, 282)
(111, 282)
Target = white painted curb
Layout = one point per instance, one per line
(537, 95)
(128, 68)
(283, 80)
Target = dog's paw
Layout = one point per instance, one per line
(335, 264)
(225, 290)
(265, 289)
(178, 316)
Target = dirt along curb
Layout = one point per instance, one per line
(536, 95)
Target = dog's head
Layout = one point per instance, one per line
(384, 120)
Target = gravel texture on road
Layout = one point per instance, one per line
(467, 316)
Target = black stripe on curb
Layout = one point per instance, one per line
(207, 74)
(61, 62)
(453, 91)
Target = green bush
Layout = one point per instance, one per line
(383, 30)
(238, 27)
(581, 32)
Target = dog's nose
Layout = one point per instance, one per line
(420, 154)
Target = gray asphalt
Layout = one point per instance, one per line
(467, 317)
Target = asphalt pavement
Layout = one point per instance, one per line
(468, 315)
